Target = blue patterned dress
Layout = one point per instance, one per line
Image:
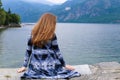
(46, 62)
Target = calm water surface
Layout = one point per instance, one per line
(79, 43)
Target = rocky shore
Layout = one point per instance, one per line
(10, 25)
(99, 71)
(1, 27)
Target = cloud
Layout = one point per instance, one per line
(57, 1)
(46, 1)
(40, 1)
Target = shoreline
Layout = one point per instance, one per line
(1, 27)
(29, 23)
(99, 71)
(10, 25)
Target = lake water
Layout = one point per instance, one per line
(79, 43)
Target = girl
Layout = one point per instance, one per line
(43, 56)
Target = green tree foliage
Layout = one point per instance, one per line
(7, 17)
(0, 4)
(9, 11)
(14, 18)
(2, 17)
(7, 21)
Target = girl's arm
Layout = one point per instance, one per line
(28, 53)
(27, 57)
(55, 47)
(57, 50)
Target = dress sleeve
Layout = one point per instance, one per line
(56, 49)
(28, 53)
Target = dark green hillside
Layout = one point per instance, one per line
(7, 18)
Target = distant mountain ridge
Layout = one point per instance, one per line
(29, 12)
(90, 11)
(84, 11)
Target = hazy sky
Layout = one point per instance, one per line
(52, 1)
(57, 1)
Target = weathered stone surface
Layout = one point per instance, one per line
(100, 71)
(109, 65)
(9, 74)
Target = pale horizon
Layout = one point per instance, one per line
(47, 1)
(57, 1)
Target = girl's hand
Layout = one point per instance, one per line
(69, 67)
(22, 69)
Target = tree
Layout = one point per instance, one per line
(7, 21)
(2, 17)
(9, 11)
(7, 18)
(0, 4)
(14, 18)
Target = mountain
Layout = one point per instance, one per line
(89, 11)
(29, 12)
(84, 11)
(39, 1)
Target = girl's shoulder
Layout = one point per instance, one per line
(29, 40)
(54, 37)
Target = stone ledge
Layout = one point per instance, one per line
(99, 71)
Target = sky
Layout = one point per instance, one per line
(45, 1)
(57, 1)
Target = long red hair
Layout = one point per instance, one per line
(44, 29)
